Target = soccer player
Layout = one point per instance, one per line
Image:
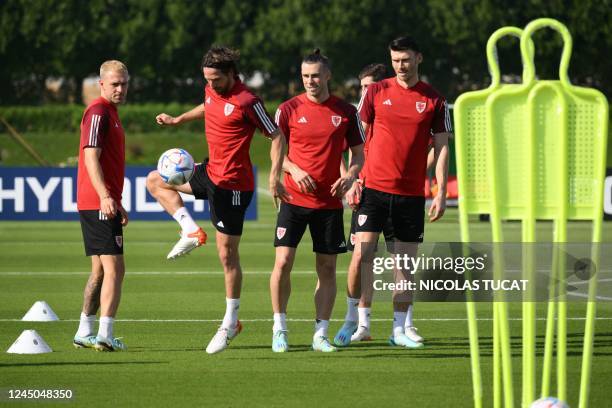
(99, 187)
(369, 74)
(317, 125)
(231, 114)
(403, 113)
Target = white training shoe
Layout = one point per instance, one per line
(222, 338)
(188, 243)
(362, 334)
(411, 333)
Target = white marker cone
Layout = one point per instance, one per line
(29, 342)
(40, 312)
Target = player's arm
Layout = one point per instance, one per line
(430, 158)
(196, 113)
(108, 206)
(301, 177)
(438, 205)
(343, 164)
(277, 153)
(344, 183)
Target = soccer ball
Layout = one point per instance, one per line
(175, 166)
(548, 402)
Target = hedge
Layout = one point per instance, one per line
(67, 118)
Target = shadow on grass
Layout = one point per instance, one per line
(87, 363)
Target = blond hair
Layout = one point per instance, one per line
(112, 66)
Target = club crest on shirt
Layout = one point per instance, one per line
(229, 108)
(420, 106)
(280, 232)
(361, 219)
(336, 120)
(119, 240)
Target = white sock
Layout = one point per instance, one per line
(364, 316)
(351, 311)
(409, 318)
(86, 325)
(231, 313)
(187, 223)
(321, 328)
(399, 318)
(280, 322)
(106, 327)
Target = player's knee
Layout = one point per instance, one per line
(229, 257)
(326, 265)
(153, 181)
(283, 264)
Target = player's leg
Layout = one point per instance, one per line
(365, 301)
(371, 216)
(290, 226)
(110, 296)
(192, 236)
(228, 209)
(280, 290)
(227, 248)
(408, 226)
(327, 231)
(103, 238)
(85, 336)
(324, 298)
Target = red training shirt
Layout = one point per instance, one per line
(101, 128)
(316, 135)
(402, 122)
(230, 121)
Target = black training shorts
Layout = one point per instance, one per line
(326, 228)
(227, 207)
(102, 236)
(406, 214)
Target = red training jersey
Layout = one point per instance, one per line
(101, 128)
(402, 122)
(230, 121)
(316, 135)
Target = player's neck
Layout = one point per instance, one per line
(108, 100)
(321, 98)
(412, 81)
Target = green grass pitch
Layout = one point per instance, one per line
(170, 310)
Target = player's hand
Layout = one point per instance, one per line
(353, 195)
(438, 206)
(108, 206)
(341, 186)
(303, 180)
(277, 189)
(124, 216)
(164, 119)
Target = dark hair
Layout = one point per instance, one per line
(377, 71)
(316, 57)
(222, 58)
(406, 43)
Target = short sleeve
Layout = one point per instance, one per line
(366, 105)
(441, 122)
(354, 133)
(94, 127)
(281, 118)
(257, 114)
